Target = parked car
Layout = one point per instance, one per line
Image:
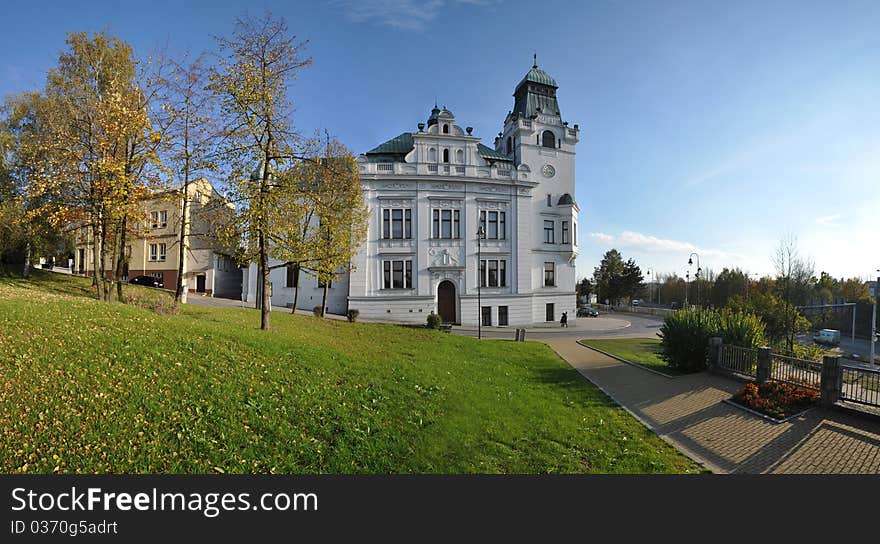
(675, 306)
(827, 336)
(636, 302)
(148, 281)
(586, 311)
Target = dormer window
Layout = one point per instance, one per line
(548, 139)
(445, 129)
(509, 147)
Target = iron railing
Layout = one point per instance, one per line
(859, 384)
(740, 360)
(795, 371)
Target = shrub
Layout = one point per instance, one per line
(685, 339)
(434, 321)
(317, 311)
(353, 315)
(685, 335)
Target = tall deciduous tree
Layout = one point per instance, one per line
(256, 66)
(94, 144)
(189, 142)
(794, 281)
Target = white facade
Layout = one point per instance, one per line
(428, 193)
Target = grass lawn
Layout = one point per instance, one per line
(88, 386)
(642, 351)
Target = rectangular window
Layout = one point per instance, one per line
(487, 316)
(154, 252)
(549, 201)
(550, 313)
(161, 252)
(549, 275)
(494, 224)
(502, 316)
(493, 273)
(321, 284)
(446, 224)
(163, 219)
(292, 276)
(397, 223)
(397, 274)
(154, 220)
(565, 232)
(549, 232)
(575, 233)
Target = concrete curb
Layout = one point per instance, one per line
(622, 360)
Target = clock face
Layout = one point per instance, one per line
(548, 171)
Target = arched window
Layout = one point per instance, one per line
(445, 155)
(445, 129)
(548, 140)
(459, 156)
(432, 155)
(508, 145)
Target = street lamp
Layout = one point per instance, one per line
(481, 234)
(874, 317)
(697, 275)
(652, 277)
(687, 286)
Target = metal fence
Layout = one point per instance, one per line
(740, 360)
(859, 384)
(796, 371)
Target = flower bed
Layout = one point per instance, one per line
(776, 399)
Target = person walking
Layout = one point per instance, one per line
(563, 321)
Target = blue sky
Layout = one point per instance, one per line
(715, 127)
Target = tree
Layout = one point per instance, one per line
(342, 214)
(728, 284)
(794, 281)
(631, 281)
(93, 145)
(855, 290)
(608, 277)
(189, 142)
(584, 288)
(251, 83)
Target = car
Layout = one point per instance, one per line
(827, 336)
(675, 306)
(148, 281)
(636, 302)
(586, 311)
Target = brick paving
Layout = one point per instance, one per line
(688, 412)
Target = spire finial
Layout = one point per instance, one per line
(535, 56)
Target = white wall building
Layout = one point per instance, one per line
(430, 191)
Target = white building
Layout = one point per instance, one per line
(430, 191)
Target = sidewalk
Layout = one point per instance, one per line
(688, 412)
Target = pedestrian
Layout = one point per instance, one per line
(564, 319)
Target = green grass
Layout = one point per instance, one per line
(87, 386)
(641, 351)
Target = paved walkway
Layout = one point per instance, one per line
(688, 412)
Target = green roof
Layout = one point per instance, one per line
(399, 145)
(536, 75)
(491, 154)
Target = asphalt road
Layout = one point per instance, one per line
(619, 325)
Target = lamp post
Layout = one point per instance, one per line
(480, 235)
(687, 287)
(697, 275)
(649, 271)
(874, 317)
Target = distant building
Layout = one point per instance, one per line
(152, 245)
(429, 191)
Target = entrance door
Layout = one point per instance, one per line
(446, 301)
(200, 283)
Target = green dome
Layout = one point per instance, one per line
(536, 75)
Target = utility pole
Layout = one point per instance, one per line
(480, 235)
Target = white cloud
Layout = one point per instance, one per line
(652, 244)
(828, 220)
(403, 14)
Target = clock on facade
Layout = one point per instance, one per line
(548, 171)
